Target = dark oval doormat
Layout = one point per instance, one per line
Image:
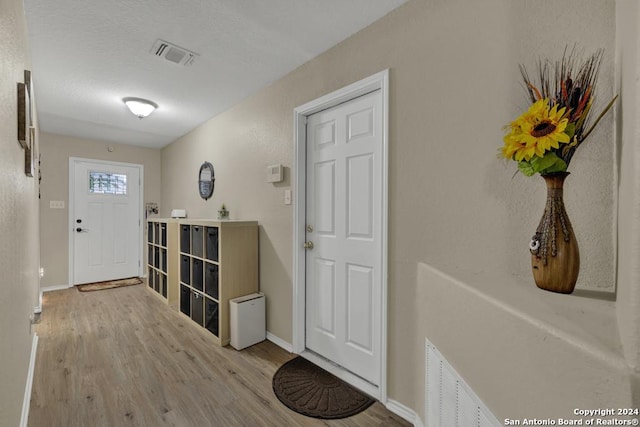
(310, 390)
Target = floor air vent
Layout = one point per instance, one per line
(172, 53)
(449, 400)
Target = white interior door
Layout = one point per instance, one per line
(105, 221)
(344, 207)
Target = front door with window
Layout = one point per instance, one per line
(105, 218)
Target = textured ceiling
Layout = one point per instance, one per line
(89, 54)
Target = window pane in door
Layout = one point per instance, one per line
(107, 183)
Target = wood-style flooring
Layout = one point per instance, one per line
(121, 357)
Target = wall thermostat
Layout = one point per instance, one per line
(274, 173)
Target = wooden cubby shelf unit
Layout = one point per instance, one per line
(162, 258)
(218, 262)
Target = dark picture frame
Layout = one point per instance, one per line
(23, 115)
(26, 127)
(25, 111)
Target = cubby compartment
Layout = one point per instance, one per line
(211, 322)
(163, 260)
(162, 286)
(211, 280)
(156, 233)
(196, 274)
(197, 237)
(185, 269)
(212, 243)
(185, 300)
(156, 257)
(185, 239)
(150, 232)
(163, 235)
(158, 282)
(150, 277)
(154, 280)
(197, 307)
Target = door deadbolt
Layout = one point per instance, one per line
(309, 228)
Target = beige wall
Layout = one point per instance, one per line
(525, 352)
(454, 84)
(629, 209)
(54, 223)
(240, 151)
(18, 222)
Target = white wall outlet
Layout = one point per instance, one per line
(287, 197)
(56, 204)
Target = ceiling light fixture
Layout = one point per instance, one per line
(140, 107)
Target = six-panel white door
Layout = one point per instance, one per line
(105, 221)
(344, 224)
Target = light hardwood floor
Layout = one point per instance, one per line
(121, 357)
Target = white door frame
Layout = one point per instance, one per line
(377, 81)
(71, 225)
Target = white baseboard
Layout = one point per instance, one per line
(26, 403)
(280, 342)
(38, 308)
(54, 288)
(404, 412)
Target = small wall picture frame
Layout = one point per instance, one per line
(25, 110)
(23, 115)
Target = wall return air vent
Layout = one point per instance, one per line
(172, 53)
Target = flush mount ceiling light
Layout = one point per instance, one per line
(140, 107)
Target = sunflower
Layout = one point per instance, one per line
(535, 132)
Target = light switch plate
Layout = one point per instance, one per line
(56, 204)
(287, 197)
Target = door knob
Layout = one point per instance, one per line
(81, 230)
(308, 245)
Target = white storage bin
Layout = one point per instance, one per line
(248, 320)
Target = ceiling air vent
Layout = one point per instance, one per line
(173, 53)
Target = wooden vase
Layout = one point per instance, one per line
(555, 259)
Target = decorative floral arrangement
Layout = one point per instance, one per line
(545, 137)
